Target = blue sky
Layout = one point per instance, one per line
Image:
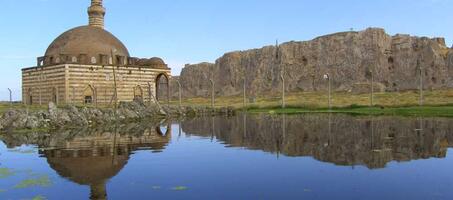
(183, 31)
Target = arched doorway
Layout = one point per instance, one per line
(54, 96)
(88, 95)
(162, 87)
(138, 93)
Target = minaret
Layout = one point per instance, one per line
(96, 14)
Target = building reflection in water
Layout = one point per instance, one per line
(339, 139)
(94, 158)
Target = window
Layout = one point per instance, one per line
(74, 59)
(93, 60)
(88, 99)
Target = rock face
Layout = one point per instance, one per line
(349, 57)
(348, 141)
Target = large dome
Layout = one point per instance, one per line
(88, 40)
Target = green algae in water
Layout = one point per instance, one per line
(39, 197)
(5, 173)
(2, 190)
(42, 181)
(180, 188)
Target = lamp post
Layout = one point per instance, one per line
(244, 94)
(421, 84)
(283, 91)
(212, 93)
(10, 97)
(114, 80)
(179, 92)
(328, 78)
(372, 88)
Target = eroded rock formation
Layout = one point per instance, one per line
(349, 57)
(369, 141)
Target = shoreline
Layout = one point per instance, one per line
(404, 111)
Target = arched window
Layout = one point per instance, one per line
(138, 93)
(88, 95)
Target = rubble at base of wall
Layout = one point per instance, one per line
(73, 116)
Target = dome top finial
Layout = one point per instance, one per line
(96, 13)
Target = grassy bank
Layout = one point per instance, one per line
(339, 99)
(438, 103)
(6, 106)
(425, 111)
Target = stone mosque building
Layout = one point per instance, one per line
(89, 65)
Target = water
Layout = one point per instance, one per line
(243, 157)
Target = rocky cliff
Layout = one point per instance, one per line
(349, 57)
(340, 139)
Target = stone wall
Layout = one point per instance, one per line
(68, 84)
(42, 85)
(348, 57)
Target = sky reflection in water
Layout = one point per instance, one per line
(243, 157)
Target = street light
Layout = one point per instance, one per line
(328, 78)
(10, 97)
(420, 68)
(283, 91)
(212, 93)
(179, 90)
(372, 88)
(244, 94)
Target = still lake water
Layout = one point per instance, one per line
(242, 157)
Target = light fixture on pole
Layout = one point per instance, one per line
(328, 78)
(179, 91)
(371, 88)
(420, 68)
(10, 97)
(212, 93)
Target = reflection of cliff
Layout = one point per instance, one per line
(348, 140)
(92, 157)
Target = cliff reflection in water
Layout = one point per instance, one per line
(92, 157)
(338, 139)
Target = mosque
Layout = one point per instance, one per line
(89, 65)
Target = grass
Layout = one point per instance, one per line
(5, 173)
(6, 106)
(437, 103)
(180, 188)
(339, 99)
(426, 111)
(42, 181)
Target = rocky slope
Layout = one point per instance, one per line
(72, 116)
(348, 57)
